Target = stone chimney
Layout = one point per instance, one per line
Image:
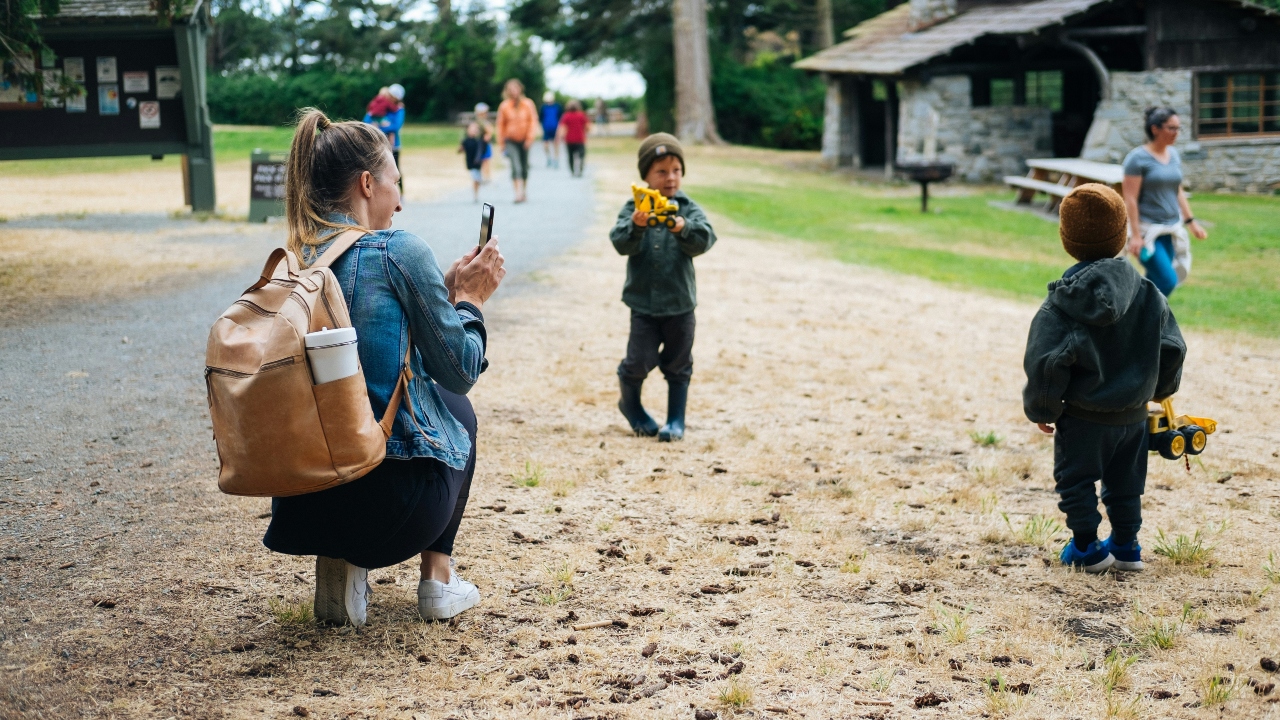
(927, 12)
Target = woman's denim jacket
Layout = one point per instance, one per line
(395, 290)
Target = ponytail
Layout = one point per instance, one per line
(324, 160)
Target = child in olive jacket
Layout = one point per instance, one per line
(660, 289)
(1103, 344)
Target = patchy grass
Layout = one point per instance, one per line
(532, 476)
(1182, 549)
(292, 614)
(966, 242)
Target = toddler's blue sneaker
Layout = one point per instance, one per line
(1128, 557)
(1096, 559)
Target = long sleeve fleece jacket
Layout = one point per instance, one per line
(1103, 344)
(660, 279)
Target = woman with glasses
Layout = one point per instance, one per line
(1154, 197)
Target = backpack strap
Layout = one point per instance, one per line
(342, 244)
(401, 392)
(269, 269)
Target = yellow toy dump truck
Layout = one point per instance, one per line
(1174, 435)
(660, 209)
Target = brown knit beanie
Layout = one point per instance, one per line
(656, 146)
(1092, 222)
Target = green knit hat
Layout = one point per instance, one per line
(656, 146)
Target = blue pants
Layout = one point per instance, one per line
(1160, 265)
(1085, 452)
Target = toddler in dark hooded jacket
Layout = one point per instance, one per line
(1103, 344)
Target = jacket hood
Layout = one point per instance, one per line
(1099, 294)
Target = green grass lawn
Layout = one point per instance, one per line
(230, 143)
(963, 241)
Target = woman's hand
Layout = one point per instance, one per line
(451, 275)
(1045, 428)
(475, 276)
(1197, 231)
(1135, 245)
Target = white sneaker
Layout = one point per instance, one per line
(441, 601)
(342, 592)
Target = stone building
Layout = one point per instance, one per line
(986, 84)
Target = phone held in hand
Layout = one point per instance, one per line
(486, 224)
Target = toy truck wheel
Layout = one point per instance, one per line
(653, 221)
(1196, 439)
(1170, 445)
(670, 222)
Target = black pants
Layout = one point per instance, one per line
(577, 156)
(398, 510)
(664, 342)
(1085, 452)
(518, 155)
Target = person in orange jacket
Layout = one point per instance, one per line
(517, 131)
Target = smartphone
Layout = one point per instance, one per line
(486, 224)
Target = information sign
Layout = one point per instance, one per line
(149, 115)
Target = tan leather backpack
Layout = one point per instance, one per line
(278, 434)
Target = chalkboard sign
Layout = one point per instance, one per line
(266, 185)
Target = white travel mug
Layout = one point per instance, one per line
(332, 354)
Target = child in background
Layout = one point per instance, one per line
(660, 289)
(381, 105)
(573, 132)
(550, 116)
(1103, 344)
(473, 149)
(486, 134)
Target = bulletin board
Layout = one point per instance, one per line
(143, 93)
(132, 96)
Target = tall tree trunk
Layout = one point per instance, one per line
(695, 116)
(444, 11)
(826, 25)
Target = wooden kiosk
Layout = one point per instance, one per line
(141, 91)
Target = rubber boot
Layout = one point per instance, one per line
(641, 422)
(677, 397)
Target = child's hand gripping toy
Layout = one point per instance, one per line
(1174, 435)
(660, 209)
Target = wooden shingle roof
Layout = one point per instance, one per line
(886, 44)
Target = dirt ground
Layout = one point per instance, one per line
(857, 525)
(44, 252)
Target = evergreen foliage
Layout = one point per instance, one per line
(759, 98)
(270, 60)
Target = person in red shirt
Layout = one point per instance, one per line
(573, 131)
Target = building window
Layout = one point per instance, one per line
(1044, 89)
(1002, 93)
(1236, 104)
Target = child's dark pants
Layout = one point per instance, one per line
(674, 333)
(1085, 452)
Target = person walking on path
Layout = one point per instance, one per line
(473, 148)
(517, 131)
(1103, 344)
(573, 132)
(391, 121)
(602, 116)
(1159, 213)
(550, 115)
(660, 289)
(486, 134)
(342, 176)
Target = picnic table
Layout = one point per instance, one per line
(1070, 173)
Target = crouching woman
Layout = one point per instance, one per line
(342, 176)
